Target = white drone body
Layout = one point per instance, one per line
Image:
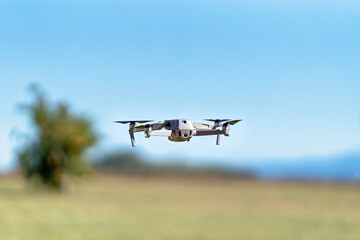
(180, 130)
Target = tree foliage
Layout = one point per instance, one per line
(60, 139)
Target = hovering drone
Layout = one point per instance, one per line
(180, 130)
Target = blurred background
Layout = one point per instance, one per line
(290, 169)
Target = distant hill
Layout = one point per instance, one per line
(341, 167)
(129, 163)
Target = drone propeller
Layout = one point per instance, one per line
(217, 120)
(133, 122)
(233, 122)
(132, 126)
(227, 121)
(217, 123)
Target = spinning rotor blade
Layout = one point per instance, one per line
(217, 120)
(135, 121)
(227, 121)
(233, 122)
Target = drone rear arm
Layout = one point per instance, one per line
(208, 132)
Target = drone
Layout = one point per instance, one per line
(180, 130)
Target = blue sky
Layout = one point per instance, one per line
(290, 69)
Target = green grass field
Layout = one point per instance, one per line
(108, 207)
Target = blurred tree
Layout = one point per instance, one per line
(61, 137)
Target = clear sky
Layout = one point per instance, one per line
(290, 69)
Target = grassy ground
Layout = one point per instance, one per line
(158, 208)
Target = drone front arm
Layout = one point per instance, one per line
(138, 130)
(161, 133)
(157, 126)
